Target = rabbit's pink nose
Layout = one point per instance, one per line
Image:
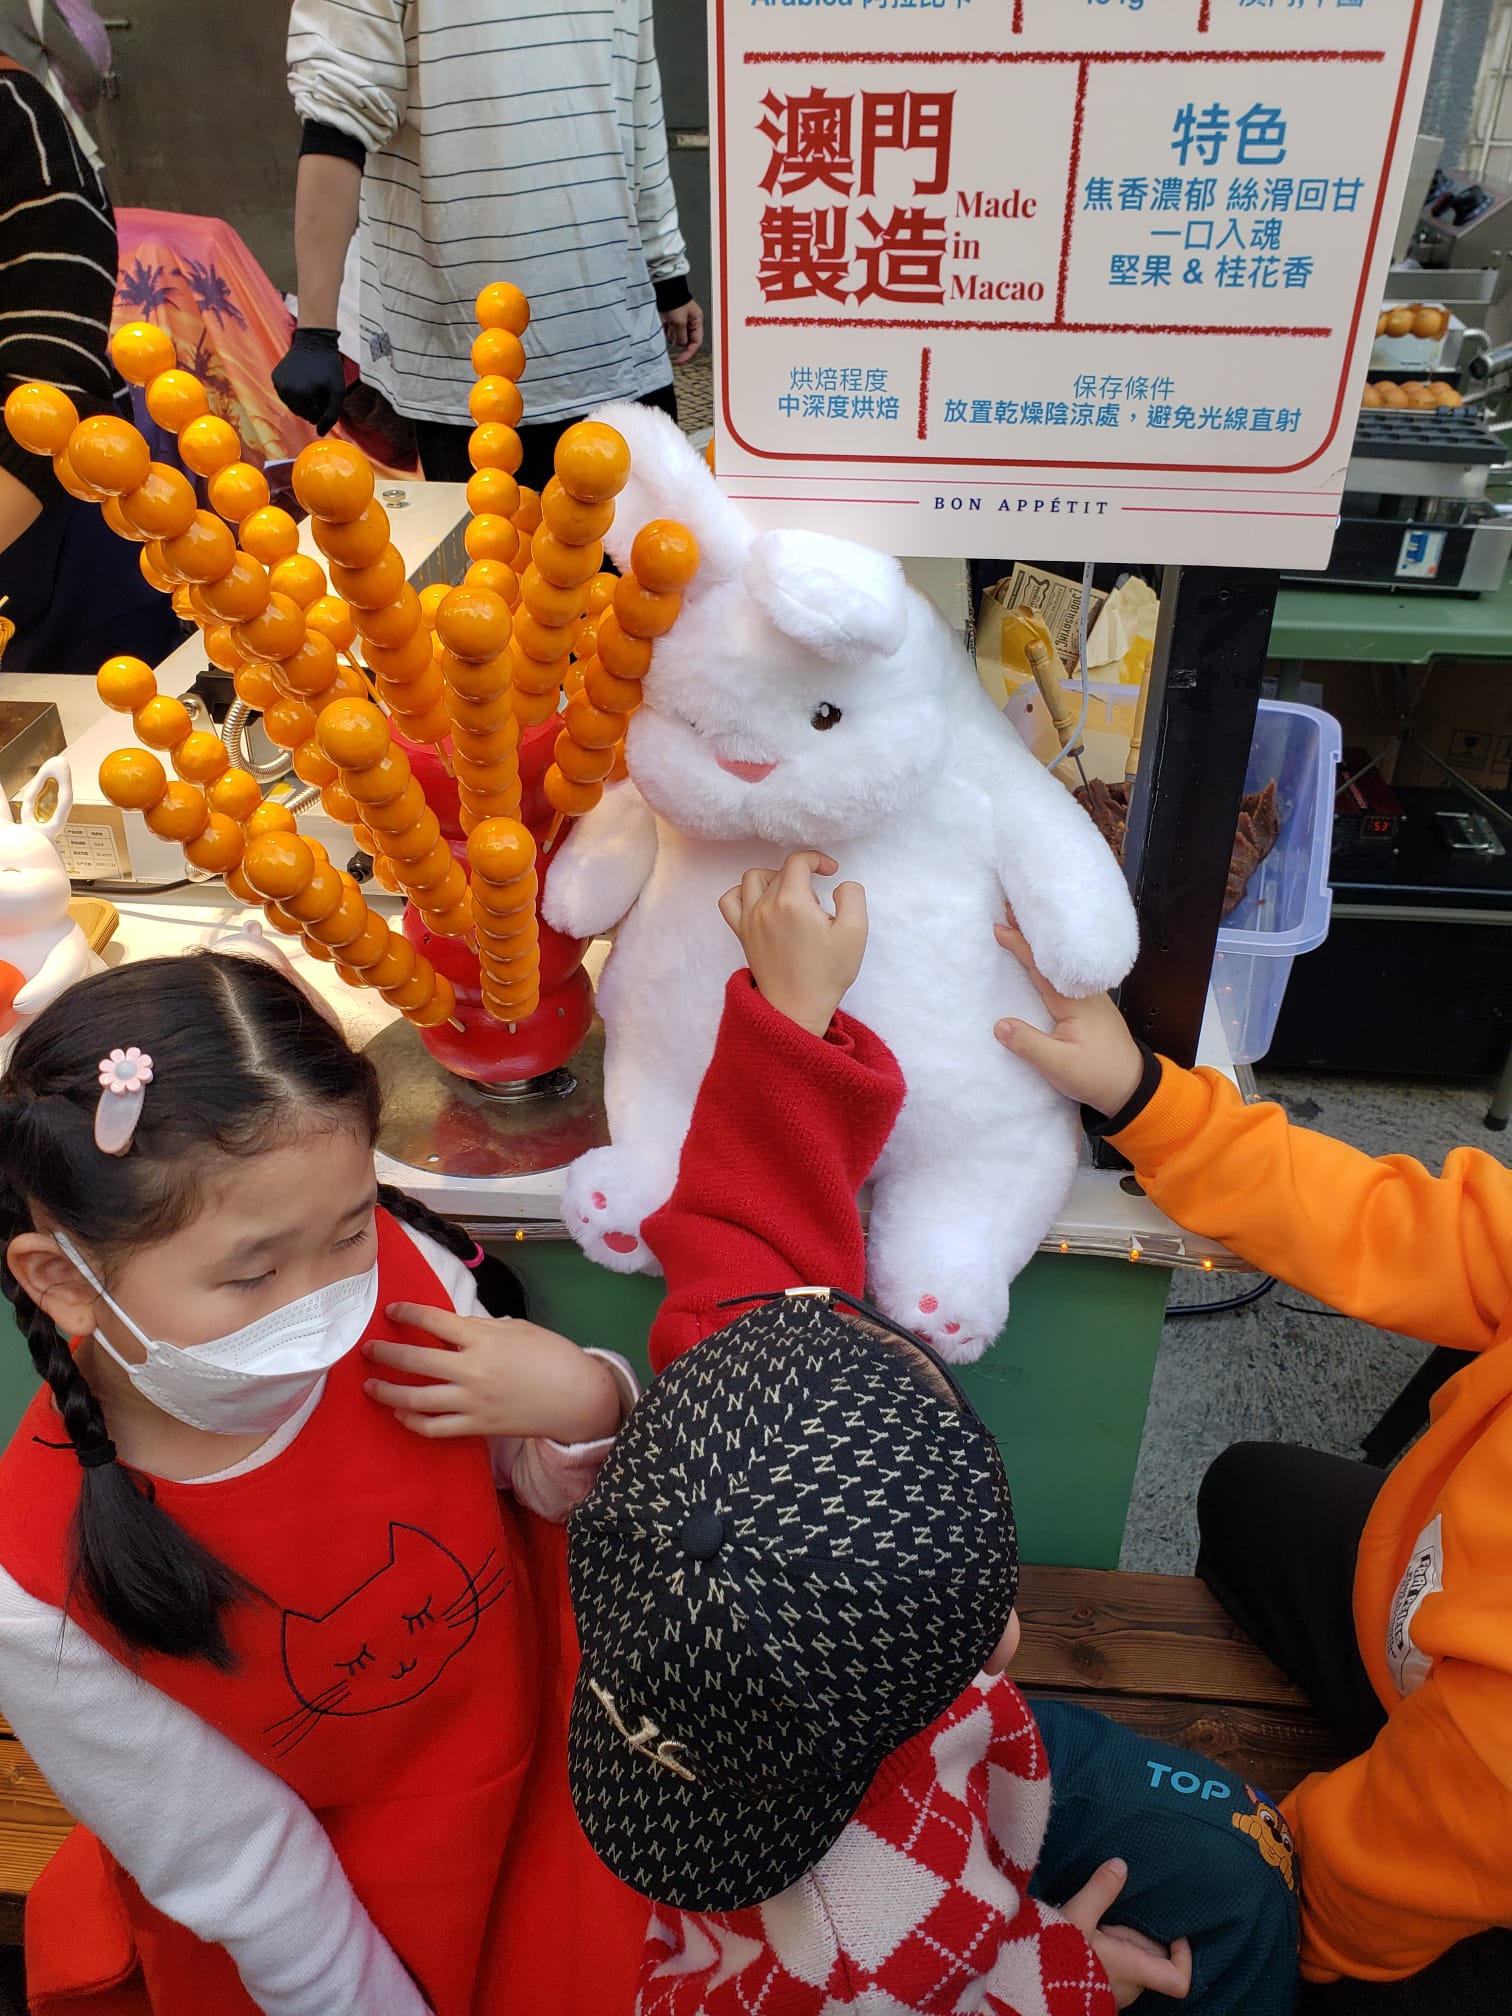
(748, 773)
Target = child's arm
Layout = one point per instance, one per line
(549, 1409)
(212, 1839)
(1381, 1240)
(795, 1107)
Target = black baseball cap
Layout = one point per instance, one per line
(799, 1553)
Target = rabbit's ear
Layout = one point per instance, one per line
(670, 479)
(844, 602)
(55, 772)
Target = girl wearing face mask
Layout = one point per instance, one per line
(301, 1673)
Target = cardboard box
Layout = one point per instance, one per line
(1463, 714)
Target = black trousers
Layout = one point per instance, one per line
(1280, 1531)
(443, 448)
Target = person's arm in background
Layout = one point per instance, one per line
(795, 1107)
(656, 205)
(1383, 1241)
(349, 80)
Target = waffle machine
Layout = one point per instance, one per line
(1415, 512)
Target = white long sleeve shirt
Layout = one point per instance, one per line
(211, 1837)
(520, 143)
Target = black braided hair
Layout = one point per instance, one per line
(499, 1288)
(243, 1062)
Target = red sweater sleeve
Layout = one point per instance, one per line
(786, 1129)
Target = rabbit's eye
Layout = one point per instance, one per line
(824, 717)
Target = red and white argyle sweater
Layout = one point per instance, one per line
(921, 1908)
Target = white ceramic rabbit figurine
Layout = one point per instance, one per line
(808, 697)
(38, 938)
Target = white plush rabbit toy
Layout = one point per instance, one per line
(38, 939)
(808, 697)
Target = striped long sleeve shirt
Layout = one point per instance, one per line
(57, 264)
(500, 140)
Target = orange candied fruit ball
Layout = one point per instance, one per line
(301, 578)
(163, 505)
(528, 518)
(174, 398)
(494, 446)
(208, 444)
(119, 523)
(502, 306)
(41, 419)
(373, 587)
(312, 668)
(492, 490)
(125, 684)
(221, 648)
(329, 617)
(109, 454)
(240, 594)
(600, 593)
(496, 398)
(163, 722)
(498, 353)
(277, 633)
(500, 850)
(201, 757)
(354, 733)
(269, 535)
(141, 352)
(358, 543)
(269, 818)
(205, 551)
(255, 686)
(431, 597)
(219, 847)
(133, 779)
(592, 462)
(642, 614)
(237, 793)
(664, 557)
(574, 523)
(565, 566)
(180, 814)
(333, 480)
(238, 490)
(570, 798)
(473, 622)
(278, 865)
(288, 722)
(491, 536)
(495, 576)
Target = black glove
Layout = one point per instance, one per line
(311, 379)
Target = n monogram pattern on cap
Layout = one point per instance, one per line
(797, 1556)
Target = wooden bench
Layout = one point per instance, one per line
(1157, 1653)
(1152, 1651)
(32, 1828)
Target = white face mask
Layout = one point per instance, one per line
(258, 1377)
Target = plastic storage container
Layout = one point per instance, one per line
(1287, 907)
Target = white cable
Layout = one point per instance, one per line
(1074, 746)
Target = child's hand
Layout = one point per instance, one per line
(803, 959)
(503, 1378)
(1089, 1054)
(1131, 1962)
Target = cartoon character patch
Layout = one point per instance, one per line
(1271, 1835)
(388, 1641)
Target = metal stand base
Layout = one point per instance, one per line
(451, 1126)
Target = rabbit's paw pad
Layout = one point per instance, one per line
(603, 1206)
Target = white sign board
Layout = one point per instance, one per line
(1076, 278)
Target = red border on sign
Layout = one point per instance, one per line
(1084, 60)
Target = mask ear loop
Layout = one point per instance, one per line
(72, 1253)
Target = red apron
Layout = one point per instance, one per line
(408, 1675)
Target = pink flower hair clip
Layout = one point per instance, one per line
(124, 1078)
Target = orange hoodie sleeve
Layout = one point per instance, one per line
(1381, 1240)
(1404, 1850)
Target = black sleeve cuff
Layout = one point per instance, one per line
(318, 138)
(673, 293)
(1149, 1084)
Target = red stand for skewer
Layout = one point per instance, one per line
(485, 1100)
